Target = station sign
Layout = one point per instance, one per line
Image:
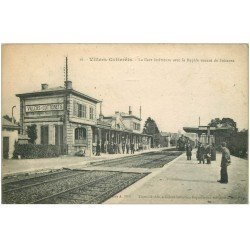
(44, 107)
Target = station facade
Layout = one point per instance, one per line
(68, 118)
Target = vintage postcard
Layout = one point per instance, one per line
(125, 123)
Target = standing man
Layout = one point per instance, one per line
(132, 148)
(98, 149)
(188, 151)
(200, 153)
(115, 148)
(225, 161)
(127, 148)
(123, 147)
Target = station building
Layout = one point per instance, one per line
(68, 118)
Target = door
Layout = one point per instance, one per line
(45, 135)
(59, 138)
(6, 147)
(59, 135)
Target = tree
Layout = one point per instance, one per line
(150, 127)
(225, 123)
(32, 133)
(215, 122)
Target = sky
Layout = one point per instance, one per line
(174, 83)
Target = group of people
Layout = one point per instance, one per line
(114, 148)
(208, 153)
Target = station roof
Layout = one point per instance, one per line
(57, 90)
(9, 125)
(123, 115)
(202, 129)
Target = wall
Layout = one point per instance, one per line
(88, 104)
(72, 146)
(129, 123)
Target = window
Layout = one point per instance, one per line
(80, 136)
(81, 110)
(137, 126)
(91, 113)
(75, 110)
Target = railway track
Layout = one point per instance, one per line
(81, 186)
(94, 192)
(47, 190)
(25, 176)
(34, 181)
(153, 160)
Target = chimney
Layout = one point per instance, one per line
(44, 86)
(68, 84)
(140, 112)
(116, 112)
(130, 111)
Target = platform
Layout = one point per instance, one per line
(187, 182)
(10, 167)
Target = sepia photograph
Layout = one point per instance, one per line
(125, 124)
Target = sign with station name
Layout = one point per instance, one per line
(44, 107)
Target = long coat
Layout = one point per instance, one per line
(213, 153)
(189, 150)
(225, 159)
(200, 152)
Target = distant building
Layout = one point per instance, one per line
(10, 137)
(126, 129)
(165, 139)
(168, 139)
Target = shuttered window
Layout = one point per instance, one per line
(84, 111)
(80, 110)
(75, 109)
(91, 113)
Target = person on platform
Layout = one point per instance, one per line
(132, 148)
(225, 162)
(98, 149)
(200, 153)
(189, 151)
(118, 148)
(123, 147)
(127, 148)
(115, 148)
(105, 146)
(213, 152)
(208, 154)
(111, 151)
